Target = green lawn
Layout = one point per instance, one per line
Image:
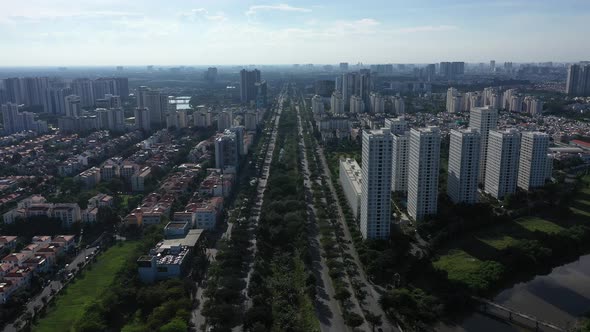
(69, 307)
(458, 264)
(537, 224)
(499, 241)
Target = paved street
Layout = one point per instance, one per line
(55, 285)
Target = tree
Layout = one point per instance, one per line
(175, 325)
(373, 320)
(353, 319)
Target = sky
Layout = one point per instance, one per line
(238, 32)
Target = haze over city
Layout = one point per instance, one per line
(109, 32)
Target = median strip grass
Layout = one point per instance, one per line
(70, 306)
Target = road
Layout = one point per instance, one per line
(327, 307)
(55, 285)
(371, 302)
(197, 318)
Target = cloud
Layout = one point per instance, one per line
(426, 28)
(49, 15)
(279, 7)
(202, 13)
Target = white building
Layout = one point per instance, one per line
(423, 168)
(533, 106)
(399, 105)
(73, 107)
(336, 103)
(483, 119)
(463, 170)
(202, 118)
(397, 126)
(516, 102)
(532, 167)
(357, 105)
(251, 120)
(142, 119)
(317, 104)
(350, 179)
(377, 103)
(224, 120)
(376, 184)
(399, 161)
(451, 93)
(502, 162)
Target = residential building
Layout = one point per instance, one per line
(317, 105)
(357, 105)
(142, 119)
(248, 89)
(73, 106)
(463, 169)
(397, 126)
(578, 80)
(377, 103)
(532, 165)
(350, 179)
(375, 208)
(139, 178)
(226, 152)
(399, 161)
(224, 120)
(336, 103)
(423, 171)
(502, 162)
(483, 119)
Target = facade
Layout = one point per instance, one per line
(397, 126)
(578, 80)
(350, 179)
(483, 119)
(248, 89)
(532, 166)
(317, 105)
(399, 162)
(224, 120)
(226, 151)
(337, 103)
(202, 118)
(451, 92)
(357, 105)
(533, 106)
(377, 103)
(399, 105)
(502, 162)
(423, 171)
(375, 209)
(463, 170)
(142, 119)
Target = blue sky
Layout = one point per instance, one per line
(192, 32)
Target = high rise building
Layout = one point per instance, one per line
(483, 119)
(55, 100)
(492, 66)
(10, 118)
(357, 105)
(451, 92)
(336, 103)
(155, 102)
(122, 87)
(142, 119)
(399, 105)
(451, 70)
(430, 72)
(507, 97)
(211, 74)
(140, 96)
(533, 106)
(463, 170)
(376, 184)
(251, 121)
(13, 90)
(111, 119)
(423, 170)
(399, 160)
(84, 88)
(377, 102)
(365, 86)
(224, 120)
(248, 80)
(578, 80)
(73, 108)
(344, 66)
(202, 118)
(324, 88)
(532, 166)
(397, 126)
(317, 105)
(33, 90)
(226, 152)
(502, 162)
(239, 131)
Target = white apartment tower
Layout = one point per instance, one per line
(502, 162)
(357, 105)
(463, 170)
(376, 184)
(336, 103)
(317, 105)
(483, 119)
(532, 167)
(397, 126)
(451, 92)
(399, 162)
(423, 168)
(377, 103)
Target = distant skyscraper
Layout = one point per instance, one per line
(261, 94)
(399, 105)
(226, 151)
(357, 105)
(502, 162)
(532, 166)
(84, 88)
(430, 72)
(10, 117)
(211, 74)
(344, 66)
(142, 119)
(377, 102)
(463, 170)
(451, 70)
(399, 160)
(155, 102)
(336, 103)
(317, 105)
(248, 80)
(492, 66)
(111, 119)
(55, 100)
(13, 90)
(578, 80)
(224, 120)
(202, 118)
(324, 88)
(376, 184)
(423, 170)
(73, 108)
(483, 119)
(349, 86)
(365, 86)
(533, 106)
(451, 92)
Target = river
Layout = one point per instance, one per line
(559, 298)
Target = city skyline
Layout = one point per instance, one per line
(229, 32)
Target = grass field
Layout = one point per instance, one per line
(69, 307)
(537, 224)
(458, 264)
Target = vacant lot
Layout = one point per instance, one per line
(70, 305)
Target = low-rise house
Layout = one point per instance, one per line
(68, 241)
(19, 276)
(6, 290)
(135, 218)
(8, 242)
(38, 264)
(16, 259)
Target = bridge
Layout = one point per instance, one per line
(538, 323)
